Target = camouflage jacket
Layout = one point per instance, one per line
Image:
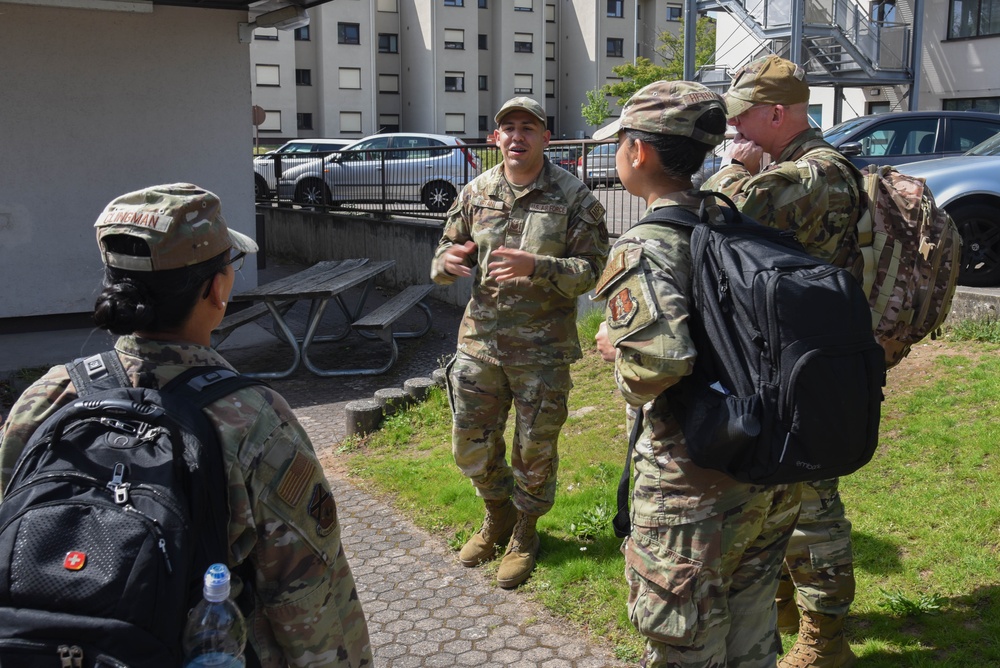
(527, 320)
(646, 283)
(282, 514)
(807, 190)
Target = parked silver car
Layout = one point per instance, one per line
(392, 167)
(292, 154)
(597, 167)
(968, 188)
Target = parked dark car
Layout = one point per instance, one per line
(968, 188)
(564, 156)
(296, 152)
(897, 138)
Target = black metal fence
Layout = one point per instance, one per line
(423, 182)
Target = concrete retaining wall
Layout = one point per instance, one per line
(308, 237)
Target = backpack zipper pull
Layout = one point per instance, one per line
(118, 486)
(70, 657)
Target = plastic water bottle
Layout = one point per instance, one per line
(215, 633)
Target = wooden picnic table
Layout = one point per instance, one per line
(318, 284)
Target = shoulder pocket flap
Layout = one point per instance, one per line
(618, 265)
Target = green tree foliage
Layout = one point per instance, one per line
(644, 71)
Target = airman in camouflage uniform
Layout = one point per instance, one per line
(813, 191)
(704, 553)
(282, 515)
(539, 239)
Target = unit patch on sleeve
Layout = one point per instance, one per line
(623, 307)
(323, 509)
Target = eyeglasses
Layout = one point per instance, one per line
(236, 261)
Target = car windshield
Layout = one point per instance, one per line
(834, 134)
(989, 147)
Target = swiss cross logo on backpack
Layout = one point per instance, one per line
(74, 560)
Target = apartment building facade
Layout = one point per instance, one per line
(446, 66)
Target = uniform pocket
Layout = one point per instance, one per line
(663, 593)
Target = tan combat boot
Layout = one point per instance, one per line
(821, 644)
(788, 608)
(497, 527)
(519, 560)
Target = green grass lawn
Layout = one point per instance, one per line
(926, 510)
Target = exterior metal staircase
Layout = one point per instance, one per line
(840, 43)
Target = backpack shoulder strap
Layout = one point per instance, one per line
(678, 215)
(205, 384)
(96, 373)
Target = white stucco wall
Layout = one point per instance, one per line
(97, 103)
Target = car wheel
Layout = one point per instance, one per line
(438, 196)
(313, 192)
(260, 189)
(979, 225)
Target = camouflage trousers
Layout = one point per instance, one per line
(481, 395)
(820, 561)
(702, 594)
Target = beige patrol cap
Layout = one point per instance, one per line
(181, 223)
(668, 108)
(767, 80)
(521, 104)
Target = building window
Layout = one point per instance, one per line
(454, 123)
(990, 104)
(349, 33)
(387, 6)
(616, 9)
(350, 77)
(388, 83)
(268, 75)
(484, 82)
(550, 51)
(974, 18)
(303, 77)
(815, 113)
(454, 3)
(388, 122)
(454, 82)
(523, 83)
(524, 5)
(550, 88)
(454, 39)
(550, 13)
(272, 121)
(483, 4)
(266, 34)
(304, 121)
(350, 121)
(388, 42)
(484, 123)
(482, 42)
(615, 46)
(523, 42)
(673, 13)
(302, 34)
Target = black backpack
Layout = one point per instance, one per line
(116, 508)
(787, 385)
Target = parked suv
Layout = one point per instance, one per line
(897, 138)
(598, 166)
(392, 167)
(296, 152)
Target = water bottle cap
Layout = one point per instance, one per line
(216, 583)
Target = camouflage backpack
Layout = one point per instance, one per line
(911, 251)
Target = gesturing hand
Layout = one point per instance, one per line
(509, 263)
(455, 257)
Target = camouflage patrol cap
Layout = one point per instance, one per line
(668, 108)
(181, 223)
(767, 80)
(521, 104)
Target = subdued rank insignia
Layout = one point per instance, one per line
(323, 509)
(295, 480)
(623, 307)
